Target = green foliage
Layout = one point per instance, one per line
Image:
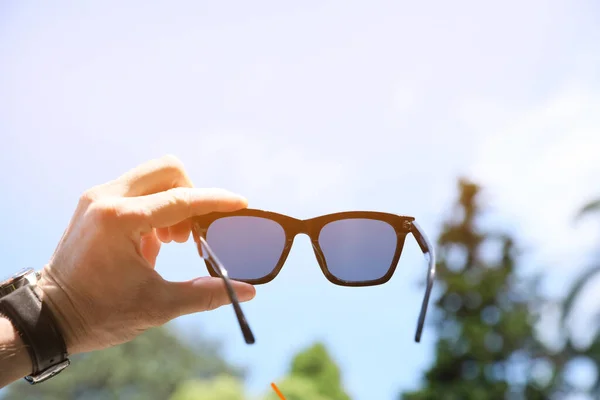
(592, 206)
(316, 365)
(297, 388)
(149, 367)
(483, 316)
(159, 365)
(220, 388)
(576, 288)
(313, 375)
(587, 275)
(570, 351)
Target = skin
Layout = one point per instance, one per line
(100, 283)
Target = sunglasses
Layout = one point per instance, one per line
(354, 248)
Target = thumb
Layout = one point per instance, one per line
(204, 294)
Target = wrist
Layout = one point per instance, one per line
(53, 296)
(15, 362)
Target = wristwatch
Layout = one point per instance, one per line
(20, 302)
(21, 278)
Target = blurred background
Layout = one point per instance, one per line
(480, 119)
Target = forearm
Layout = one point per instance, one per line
(14, 358)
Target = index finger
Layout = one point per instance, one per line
(168, 208)
(153, 176)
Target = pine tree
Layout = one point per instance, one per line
(486, 345)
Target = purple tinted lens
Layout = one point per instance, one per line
(358, 249)
(248, 247)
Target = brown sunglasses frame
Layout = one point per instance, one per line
(312, 227)
(402, 224)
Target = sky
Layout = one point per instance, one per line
(308, 108)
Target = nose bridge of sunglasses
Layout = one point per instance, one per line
(296, 227)
(310, 229)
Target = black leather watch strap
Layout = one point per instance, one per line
(37, 327)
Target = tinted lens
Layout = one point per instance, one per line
(357, 249)
(248, 247)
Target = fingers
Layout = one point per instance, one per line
(172, 207)
(164, 234)
(153, 176)
(203, 294)
(158, 195)
(179, 233)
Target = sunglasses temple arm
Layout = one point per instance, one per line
(246, 331)
(206, 252)
(429, 252)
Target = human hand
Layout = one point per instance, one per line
(101, 284)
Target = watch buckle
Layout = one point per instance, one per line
(48, 372)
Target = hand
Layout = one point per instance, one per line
(101, 284)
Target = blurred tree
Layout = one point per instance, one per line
(580, 283)
(486, 347)
(571, 352)
(149, 367)
(297, 388)
(313, 375)
(220, 388)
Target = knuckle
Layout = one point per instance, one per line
(211, 301)
(173, 169)
(89, 196)
(172, 164)
(181, 199)
(109, 210)
(102, 211)
(215, 299)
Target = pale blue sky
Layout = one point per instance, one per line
(307, 108)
